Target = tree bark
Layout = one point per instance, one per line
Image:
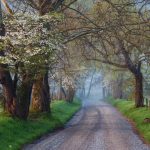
(46, 94)
(8, 90)
(70, 94)
(23, 98)
(36, 98)
(41, 95)
(139, 100)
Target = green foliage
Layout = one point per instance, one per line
(15, 133)
(135, 114)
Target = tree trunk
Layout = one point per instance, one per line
(70, 94)
(41, 95)
(139, 100)
(104, 93)
(36, 97)
(8, 90)
(117, 91)
(46, 94)
(90, 86)
(60, 89)
(23, 98)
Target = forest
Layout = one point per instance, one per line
(50, 48)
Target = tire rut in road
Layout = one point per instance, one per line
(80, 138)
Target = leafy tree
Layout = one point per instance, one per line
(119, 39)
(28, 39)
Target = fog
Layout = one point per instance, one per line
(93, 95)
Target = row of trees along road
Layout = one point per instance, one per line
(36, 40)
(30, 47)
(117, 33)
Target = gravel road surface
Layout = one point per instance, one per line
(94, 127)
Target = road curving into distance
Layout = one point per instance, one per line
(97, 126)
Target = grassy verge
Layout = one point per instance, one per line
(15, 133)
(137, 115)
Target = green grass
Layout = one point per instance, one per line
(15, 133)
(137, 115)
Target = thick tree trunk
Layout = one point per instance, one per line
(41, 95)
(36, 97)
(139, 100)
(23, 98)
(8, 90)
(46, 94)
(136, 70)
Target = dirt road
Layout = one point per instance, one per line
(94, 127)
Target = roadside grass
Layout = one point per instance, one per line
(137, 115)
(15, 133)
